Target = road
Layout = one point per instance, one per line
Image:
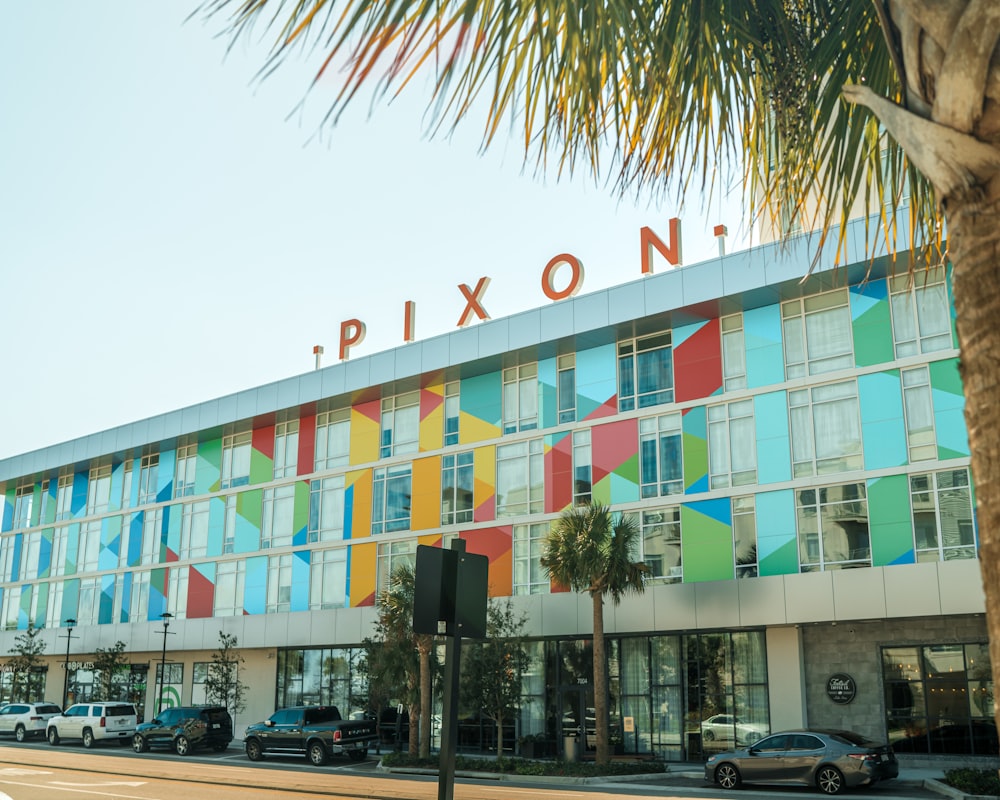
(37, 771)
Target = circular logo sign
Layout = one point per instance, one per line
(841, 688)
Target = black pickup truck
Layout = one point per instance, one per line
(316, 732)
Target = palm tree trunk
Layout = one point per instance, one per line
(414, 728)
(974, 246)
(602, 756)
(425, 701)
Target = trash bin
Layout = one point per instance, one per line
(571, 748)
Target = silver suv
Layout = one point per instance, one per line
(26, 719)
(92, 723)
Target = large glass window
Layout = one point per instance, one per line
(661, 457)
(230, 582)
(60, 541)
(921, 316)
(236, 459)
(400, 424)
(89, 548)
(333, 439)
(31, 551)
(457, 484)
(520, 478)
(177, 591)
(326, 509)
(286, 448)
(88, 602)
(452, 411)
(23, 500)
(566, 387)
(661, 544)
(817, 334)
(194, 530)
(279, 584)
(832, 525)
(390, 556)
(64, 497)
(583, 468)
(944, 522)
(392, 489)
(328, 579)
(732, 457)
(149, 466)
(919, 407)
(529, 575)
(520, 398)
(745, 536)
(734, 356)
(645, 372)
(278, 520)
(184, 470)
(826, 429)
(53, 611)
(139, 599)
(99, 489)
(152, 535)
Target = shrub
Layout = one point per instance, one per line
(974, 781)
(523, 766)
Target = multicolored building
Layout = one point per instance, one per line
(792, 443)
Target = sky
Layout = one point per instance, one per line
(174, 229)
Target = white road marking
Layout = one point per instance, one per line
(115, 795)
(104, 783)
(20, 771)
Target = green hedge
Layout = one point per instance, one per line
(974, 781)
(524, 766)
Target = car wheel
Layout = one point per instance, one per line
(220, 748)
(139, 744)
(88, 737)
(830, 780)
(358, 755)
(20, 733)
(53, 736)
(254, 751)
(182, 745)
(727, 776)
(708, 736)
(317, 754)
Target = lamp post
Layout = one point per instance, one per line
(69, 636)
(166, 616)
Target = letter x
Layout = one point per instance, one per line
(473, 301)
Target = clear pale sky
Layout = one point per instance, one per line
(173, 230)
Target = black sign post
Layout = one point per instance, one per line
(449, 599)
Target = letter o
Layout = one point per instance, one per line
(575, 283)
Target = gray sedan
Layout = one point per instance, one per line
(829, 760)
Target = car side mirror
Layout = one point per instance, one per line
(269, 723)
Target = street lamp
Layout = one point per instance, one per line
(69, 636)
(166, 616)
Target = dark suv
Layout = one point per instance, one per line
(185, 728)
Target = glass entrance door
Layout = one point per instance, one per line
(576, 709)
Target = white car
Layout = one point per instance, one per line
(92, 723)
(724, 727)
(26, 719)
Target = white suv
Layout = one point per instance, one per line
(93, 722)
(26, 719)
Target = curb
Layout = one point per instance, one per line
(950, 791)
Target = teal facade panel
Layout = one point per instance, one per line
(883, 426)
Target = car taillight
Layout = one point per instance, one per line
(864, 756)
(336, 736)
(102, 722)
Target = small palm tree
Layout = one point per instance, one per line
(592, 550)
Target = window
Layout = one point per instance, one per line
(745, 536)
(661, 544)
(566, 387)
(817, 334)
(149, 466)
(919, 407)
(229, 525)
(520, 478)
(826, 429)
(177, 591)
(187, 460)
(529, 574)
(89, 602)
(7, 558)
(943, 518)
(391, 556)
(24, 498)
(139, 601)
(53, 611)
(328, 579)
(152, 537)
(127, 483)
(236, 459)
(400, 424)
(31, 552)
(452, 411)
(326, 509)
(582, 467)
(279, 584)
(661, 456)
(921, 316)
(278, 520)
(60, 540)
(11, 607)
(391, 498)
(832, 525)
(89, 547)
(645, 372)
(732, 458)
(194, 530)
(520, 398)
(286, 449)
(333, 439)
(734, 355)
(99, 489)
(230, 580)
(64, 497)
(457, 482)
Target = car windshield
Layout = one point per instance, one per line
(119, 711)
(48, 710)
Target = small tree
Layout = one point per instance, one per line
(492, 669)
(27, 651)
(222, 681)
(110, 664)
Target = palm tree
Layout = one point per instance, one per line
(676, 90)
(590, 550)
